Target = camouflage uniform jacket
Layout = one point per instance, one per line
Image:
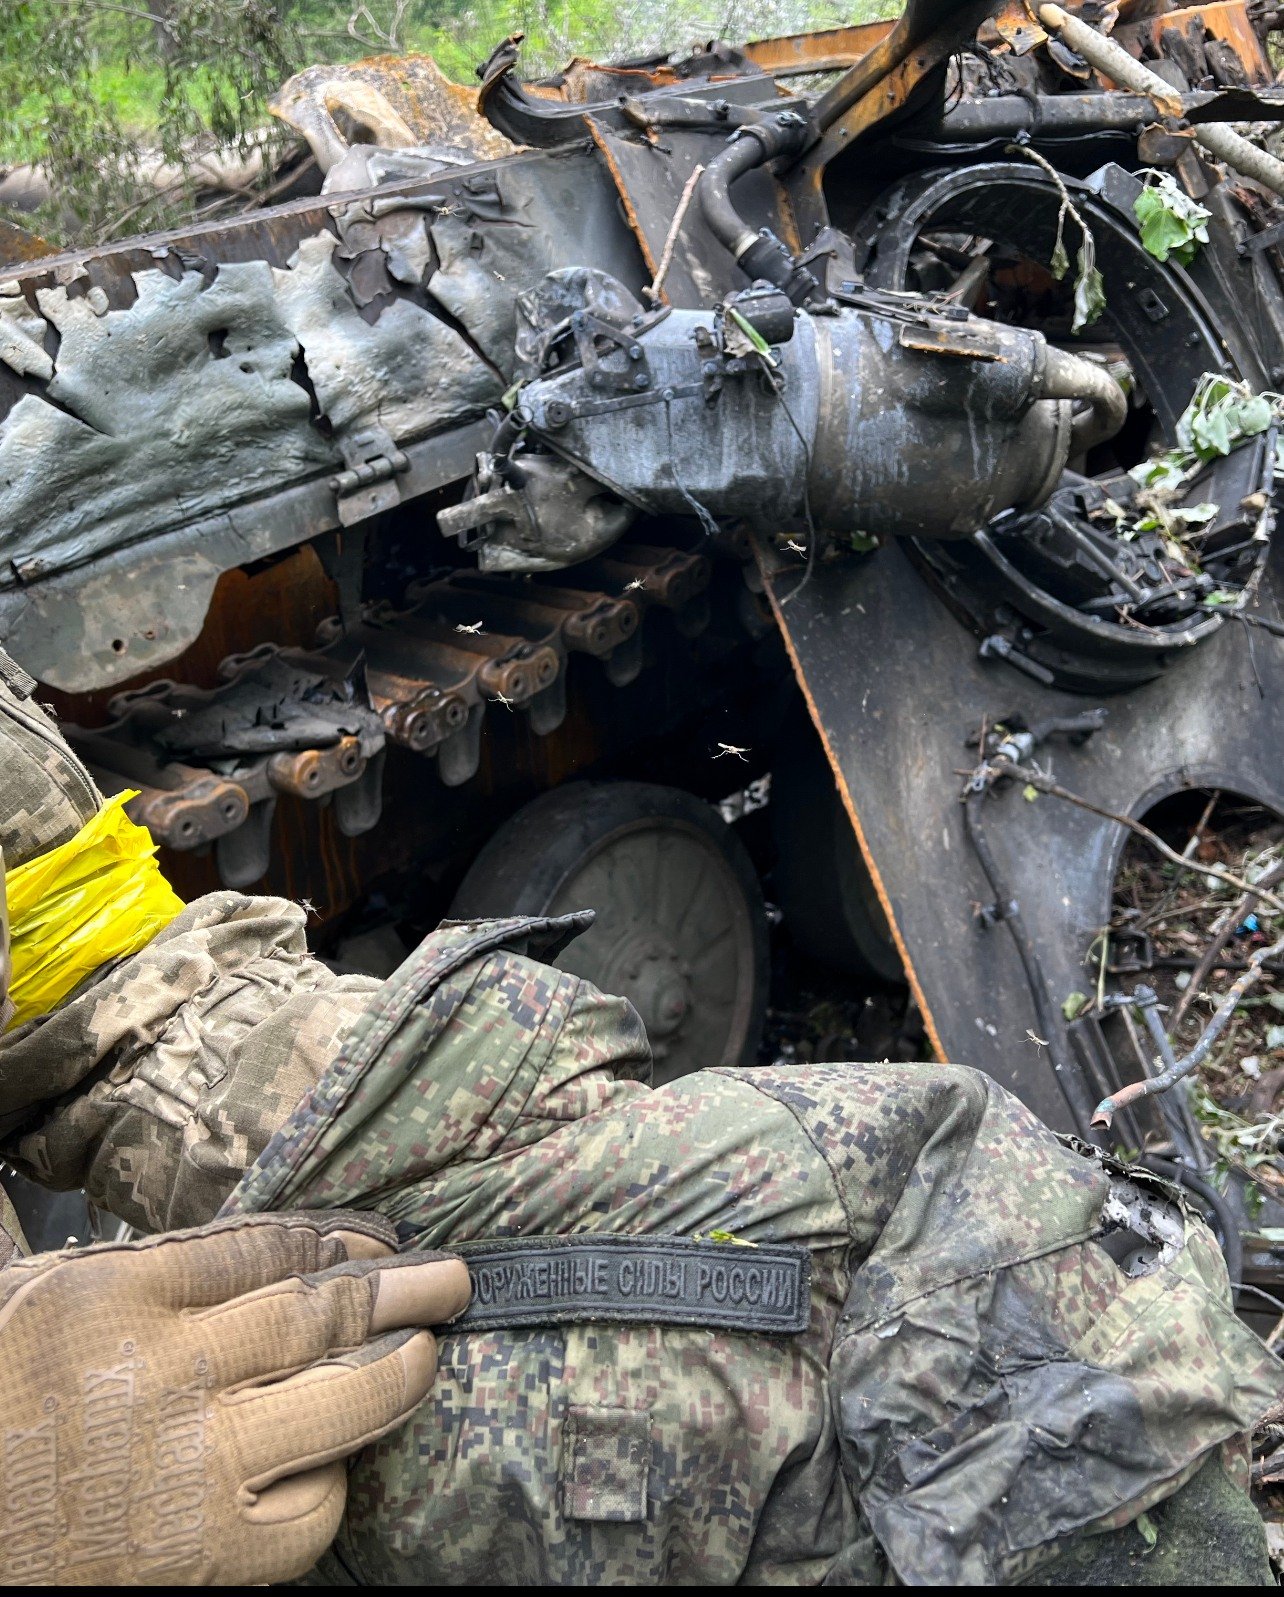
(979, 1380)
(161, 1079)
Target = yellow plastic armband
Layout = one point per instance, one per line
(98, 897)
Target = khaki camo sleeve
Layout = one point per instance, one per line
(159, 1084)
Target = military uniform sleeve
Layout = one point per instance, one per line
(46, 795)
(159, 1084)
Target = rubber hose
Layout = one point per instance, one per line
(724, 221)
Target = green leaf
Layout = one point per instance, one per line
(862, 542)
(1059, 265)
(1166, 471)
(1029, 792)
(1074, 1005)
(1169, 220)
(1253, 415)
(1148, 1531)
(749, 330)
(1211, 433)
(1089, 295)
(1162, 232)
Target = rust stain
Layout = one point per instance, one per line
(630, 210)
(18, 245)
(828, 50)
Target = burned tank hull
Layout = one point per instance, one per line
(347, 531)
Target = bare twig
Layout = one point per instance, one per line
(652, 292)
(1217, 942)
(1045, 784)
(153, 197)
(1196, 836)
(1109, 1107)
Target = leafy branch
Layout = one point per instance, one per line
(1089, 290)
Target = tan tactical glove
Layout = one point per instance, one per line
(178, 1409)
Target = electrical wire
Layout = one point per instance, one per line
(708, 525)
(812, 538)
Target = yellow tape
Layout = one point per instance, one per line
(98, 897)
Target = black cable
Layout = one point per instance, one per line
(708, 526)
(1008, 911)
(812, 539)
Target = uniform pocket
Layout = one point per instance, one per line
(606, 1464)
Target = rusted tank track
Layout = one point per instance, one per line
(210, 763)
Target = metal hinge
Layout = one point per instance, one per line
(369, 484)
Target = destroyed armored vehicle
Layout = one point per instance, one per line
(810, 427)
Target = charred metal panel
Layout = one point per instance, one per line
(652, 176)
(405, 371)
(135, 609)
(505, 227)
(173, 392)
(896, 688)
(154, 415)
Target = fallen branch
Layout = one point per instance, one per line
(1109, 1107)
(1209, 958)
(1036, 779)
(1114, 62)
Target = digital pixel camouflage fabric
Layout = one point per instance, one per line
(980, 1382)
(157, 1084)
(46, 794)
(160, 1081)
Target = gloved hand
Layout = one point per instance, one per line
(178, 1409)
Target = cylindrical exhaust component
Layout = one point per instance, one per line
(1067, 376)
(897, 417)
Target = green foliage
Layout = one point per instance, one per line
(1089, 289)
(1222, 414)
(102, 93)
(1171, 222)
(75, 70)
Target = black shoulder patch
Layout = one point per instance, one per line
(539, 1281)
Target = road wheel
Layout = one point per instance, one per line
(681, 928)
